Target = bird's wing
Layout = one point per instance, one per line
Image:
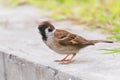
(67, 38)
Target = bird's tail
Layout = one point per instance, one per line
(98, 41)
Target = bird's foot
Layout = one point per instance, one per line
(67, 62)
(61, 60)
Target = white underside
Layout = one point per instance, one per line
(61, 49)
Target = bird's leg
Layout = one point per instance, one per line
(69, 60)
(64, 59)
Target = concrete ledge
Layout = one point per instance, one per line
(23, 56)
(15, 68)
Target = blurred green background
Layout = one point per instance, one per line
(95, 14)
(102, 14)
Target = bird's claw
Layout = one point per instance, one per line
(61, 60)
(66, 62)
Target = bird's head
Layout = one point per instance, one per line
(46, 29)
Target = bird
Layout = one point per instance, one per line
(64, 42)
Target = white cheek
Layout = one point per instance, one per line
(49, 33)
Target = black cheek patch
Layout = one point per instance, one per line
(42, 32)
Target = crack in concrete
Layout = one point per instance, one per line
(4, 66)
(54, 72)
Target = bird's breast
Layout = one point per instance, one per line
(61, 49)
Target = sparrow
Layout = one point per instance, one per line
(64, 42)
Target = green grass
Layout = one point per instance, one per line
(104, 14)
(112, 51)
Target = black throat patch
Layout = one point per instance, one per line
(42, 32)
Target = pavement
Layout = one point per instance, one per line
(19, 36)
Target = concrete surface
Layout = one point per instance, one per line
(23, 55)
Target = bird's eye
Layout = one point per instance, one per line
(50, 30)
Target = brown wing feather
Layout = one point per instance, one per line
(67, 38)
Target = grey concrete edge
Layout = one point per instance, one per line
(54, 73)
